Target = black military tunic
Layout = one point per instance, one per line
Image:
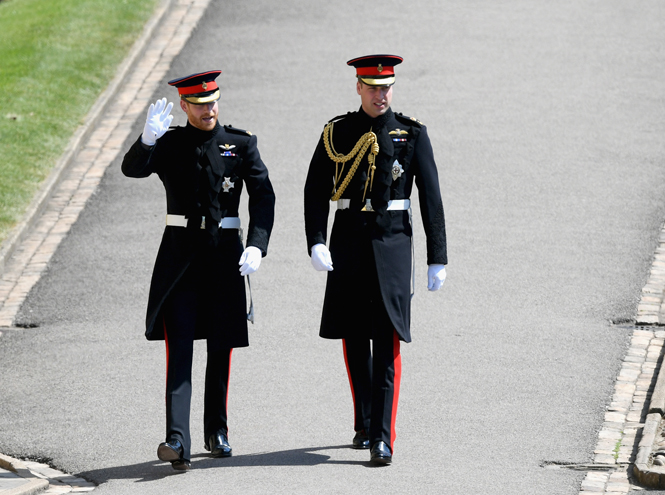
(203, 173)
(372, 251)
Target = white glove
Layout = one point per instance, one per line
(321, 260)
(157, 122)
(436, 276)
(250, 260)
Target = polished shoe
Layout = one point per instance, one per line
(172, 451)
(218, 445)
(361, 440)
(181, 465)
(381, 454)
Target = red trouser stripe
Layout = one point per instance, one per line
(228, 380)
(348, 372)
(166, 341)
(396, 383)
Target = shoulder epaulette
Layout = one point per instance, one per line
(230, 128)
(409, 120)
(339, 117)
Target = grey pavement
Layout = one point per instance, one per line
(546, 120)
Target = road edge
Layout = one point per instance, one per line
(651, 311)
(32, 484)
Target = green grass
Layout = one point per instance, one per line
(56, 58)
(617, 447)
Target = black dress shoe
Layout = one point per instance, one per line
(172, 451)
(181, 465)
(381, 454)
(218, 445)
(361, 440)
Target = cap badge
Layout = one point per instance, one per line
(228, 185)
(397, 170)
(204, 86)
(380, 68)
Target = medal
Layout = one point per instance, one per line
(398, 133)
(228, 185)
(397, 170)
(225, 149)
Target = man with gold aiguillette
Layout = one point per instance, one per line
(366, 163)
(198, 289)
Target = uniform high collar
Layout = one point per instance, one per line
(199, 136)
(375, 123)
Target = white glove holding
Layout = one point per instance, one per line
(157, 122)
(321, 260)
(250, 260)
(436, 276)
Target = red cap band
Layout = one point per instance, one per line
(374, 71)
(199, 88)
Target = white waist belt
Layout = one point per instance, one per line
(181, 221)
(393, 204)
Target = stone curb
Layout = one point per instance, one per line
(32, 484)
(42, 197)
(657, 404)
(651, 311)
(644, 470)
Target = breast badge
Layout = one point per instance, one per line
(397, 135)
(397, 170)
(225, 149)
(228, 185)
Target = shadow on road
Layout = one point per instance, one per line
(155, 470)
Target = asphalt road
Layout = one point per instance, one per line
(547, 124)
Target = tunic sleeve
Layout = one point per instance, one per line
(431, 205)
(318, 187)
(139, 161)
(261, 202)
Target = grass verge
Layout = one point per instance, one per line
(57, 57)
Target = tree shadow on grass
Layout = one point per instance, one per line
(156, 470)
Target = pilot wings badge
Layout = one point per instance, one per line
(398, 135)
(225, 149)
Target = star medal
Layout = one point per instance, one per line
(228, 185)
(397, 170)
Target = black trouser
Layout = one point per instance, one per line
(179, 325)
(374, 376)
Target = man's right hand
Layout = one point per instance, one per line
(321, 260)
(157, 122)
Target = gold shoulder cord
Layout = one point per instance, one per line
(359, 149)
